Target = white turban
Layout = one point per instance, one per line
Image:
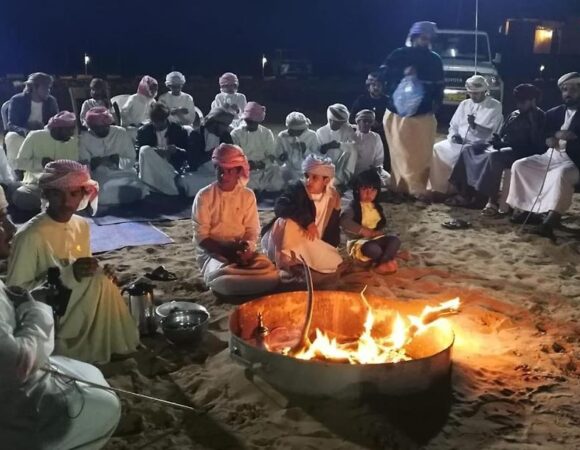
(297, 121)
(337, 112)
(572, 77)
(3, 201)
(173, 78)
(365, 114)
(476, 83)
(316, 165)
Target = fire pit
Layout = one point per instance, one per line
(357, 344)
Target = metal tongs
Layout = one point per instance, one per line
(304, 341)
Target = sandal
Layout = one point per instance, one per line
(456, 224)
(161, 274)
(490, 210)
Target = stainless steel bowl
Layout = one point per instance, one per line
(163, 311)
(186, 326)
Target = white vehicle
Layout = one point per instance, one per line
(457, 50)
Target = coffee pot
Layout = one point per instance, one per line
(141, 306)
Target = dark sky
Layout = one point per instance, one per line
(208, 37)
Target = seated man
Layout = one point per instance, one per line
(39, 148)
(259, 147)
(226, 227)
(97, 323)
(29, 110)
(294, 144)
(369, 147)
(307, 221)
(109, 152)
(336, 140)
(545, 183)
(162, 151)
(135, 112)
(180, 104)
(479, 170)
(37, 408)
(473, 123)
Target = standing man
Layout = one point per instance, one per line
(474, 122)
(545, 183)
(411, 139)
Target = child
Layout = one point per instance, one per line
(99, 97)
(229, 98)
(180, 104)
(369, 147)
(307, 221)
(364, 221)
(294, 144)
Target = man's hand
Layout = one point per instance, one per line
(45, 161)
(457, 139)
(312, 232)
(566, 135)
(471, 121)
(85, 268)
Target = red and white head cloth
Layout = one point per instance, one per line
(228, 156)
(255, 112)
(63, 119)
(145, 86)
(98, 116)
(65, 175)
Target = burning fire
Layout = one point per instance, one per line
(369, 350)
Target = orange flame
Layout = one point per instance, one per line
(370, 350)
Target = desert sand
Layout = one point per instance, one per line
(515, 380)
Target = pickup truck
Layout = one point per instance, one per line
(457, 50)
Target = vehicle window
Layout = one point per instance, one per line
(461, 46)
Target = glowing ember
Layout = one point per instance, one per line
(377, 350)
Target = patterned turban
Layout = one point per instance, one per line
(428, 28)
(255, 112)
(228, 156)
(337, 112)
(145, 86)
(174, 78)
(476, 83)
(316, 165)
(228, 78)
(297, 121)
(63, 119)
(572, 77)
(99, 116)
(365, 114)
(64, 174)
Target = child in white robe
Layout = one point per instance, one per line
(97, 323)
(180, 104)
(229, 98)
(369, 147)
(258, 144)
(307, 221)
(225, 228)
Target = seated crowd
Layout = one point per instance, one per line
(528, 163)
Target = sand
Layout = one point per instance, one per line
(515, 381)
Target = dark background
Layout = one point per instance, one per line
(130, 37)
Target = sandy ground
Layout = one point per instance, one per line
(515, 381)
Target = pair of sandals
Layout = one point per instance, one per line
(161, 274)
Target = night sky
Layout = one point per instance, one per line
(131, 37)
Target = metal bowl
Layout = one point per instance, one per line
(186, 326)
(163, 311)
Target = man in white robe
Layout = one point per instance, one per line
(180, 104)
(258, 144)
(306, 222)
(369, 147)
(57, 141)
(545, 183)
(337, 141)
(97, 323)
(294, 144)
(226, 227)
(229, 98)
(41, 410)
(474, 122)
(109, 152)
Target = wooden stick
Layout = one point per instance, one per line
(122, 391)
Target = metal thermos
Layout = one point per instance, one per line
(141, 306)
